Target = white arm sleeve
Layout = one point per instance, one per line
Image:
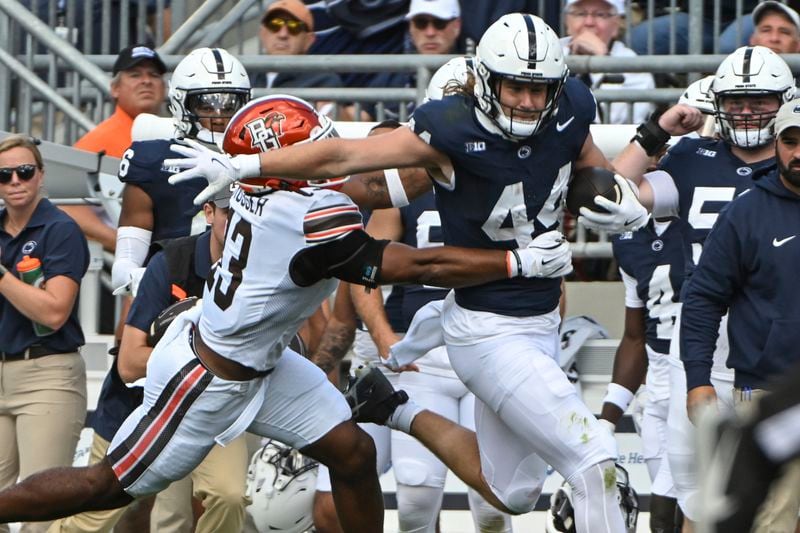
(423, 335)
(132, 246)
(632, 299)
(665, 194)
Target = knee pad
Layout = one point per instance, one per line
(520, 498)
(418, 507)
(487, 519)
(413, 472)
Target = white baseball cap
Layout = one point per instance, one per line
(788, 116)
(765, 7)
(441, 9)
(618, 5)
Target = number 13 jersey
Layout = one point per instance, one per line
(251, 306)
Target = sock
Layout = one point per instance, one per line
(403, 416)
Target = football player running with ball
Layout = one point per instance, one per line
(501, 149)
(225, 368)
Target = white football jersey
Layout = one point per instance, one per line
(252, 308)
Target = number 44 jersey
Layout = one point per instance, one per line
(504, 193)
(251, 306)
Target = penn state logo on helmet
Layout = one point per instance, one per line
(274, 122)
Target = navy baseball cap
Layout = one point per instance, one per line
(133, 55)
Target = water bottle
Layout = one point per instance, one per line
(30, 271)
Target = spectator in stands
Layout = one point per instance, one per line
(43, 393)
(434, 27)
(137, 87)
(592, 29)
(287, 28)
(663, 31)
(777, 26)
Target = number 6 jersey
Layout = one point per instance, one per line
(251, 306)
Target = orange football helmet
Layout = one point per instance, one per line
(272, 122)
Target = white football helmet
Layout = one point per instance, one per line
(455, 70)
(698, 95)
(281, 484)
(523, 48)
(206, 79)
(750, 71)
(560, 517)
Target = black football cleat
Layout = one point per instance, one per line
(371, 397)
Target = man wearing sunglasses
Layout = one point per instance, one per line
(434, 27)
(287, 28)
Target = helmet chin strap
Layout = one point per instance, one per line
(493, 127)
(210, 137)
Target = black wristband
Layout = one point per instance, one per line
(3, 270)
(651, 137)
(519, 262)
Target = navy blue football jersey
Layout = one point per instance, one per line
(173, 208)
(505, 192)
(656, 263)
(422, 229)
(708, 176)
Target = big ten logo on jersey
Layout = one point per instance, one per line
(266, 131)
(474, 146)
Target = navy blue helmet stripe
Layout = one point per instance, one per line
(746, 66)
(220, 64)
(531, 41)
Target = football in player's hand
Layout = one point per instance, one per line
(587, 183)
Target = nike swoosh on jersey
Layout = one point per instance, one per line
(562, 127)
(778, 243)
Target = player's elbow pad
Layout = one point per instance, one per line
(133, 245)
(356, 258)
